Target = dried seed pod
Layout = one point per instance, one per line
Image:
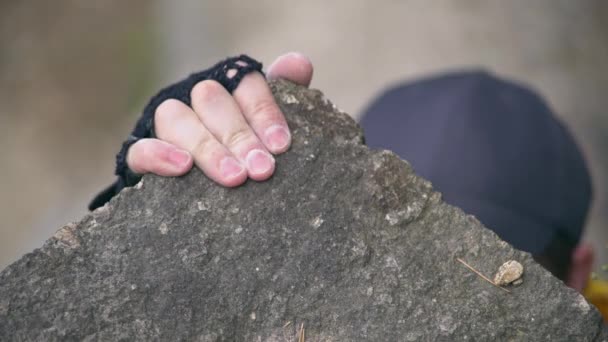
(508, 273)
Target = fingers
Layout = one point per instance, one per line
(158, 157)
(229, 137)
(176, 123)
(292, 66)
(221, 115)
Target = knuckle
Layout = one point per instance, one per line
(138, 156)
(265, 109)
(167, 111)
(138, 149)
(205, 91)
(203, 146)
(237, 137)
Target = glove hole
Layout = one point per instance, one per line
(231, 73)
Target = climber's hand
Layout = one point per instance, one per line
(229, 137)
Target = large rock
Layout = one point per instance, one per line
(343, 242)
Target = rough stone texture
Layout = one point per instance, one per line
(347, 241)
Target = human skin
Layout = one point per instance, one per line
(229, 137)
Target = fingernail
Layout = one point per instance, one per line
(230, 168)
(278, 138)
(179, 157)
(259, 162)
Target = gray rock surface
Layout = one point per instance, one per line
(343, 241)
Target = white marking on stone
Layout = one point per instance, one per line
(317, 222)
(582, 304)
(394, 217)
(163, 228)
(252, 316)
(139, 184)
(391, 262)
(202, 206)
(377, 164)
(290, 99)
(238, 230)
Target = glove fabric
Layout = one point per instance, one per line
(144, 128)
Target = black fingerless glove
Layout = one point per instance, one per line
(181, 91)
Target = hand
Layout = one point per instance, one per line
(229, 137)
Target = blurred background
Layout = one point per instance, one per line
(75, 74)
